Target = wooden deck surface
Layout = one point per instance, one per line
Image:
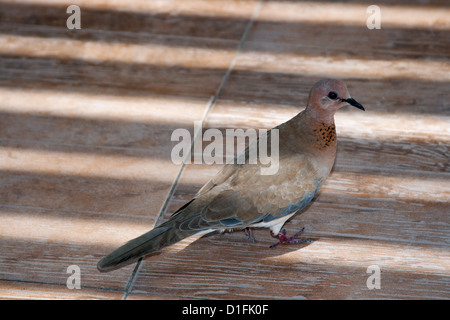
(86, 118)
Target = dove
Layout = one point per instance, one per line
(240, 197)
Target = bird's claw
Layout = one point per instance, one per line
(249, 232)
(287, 240)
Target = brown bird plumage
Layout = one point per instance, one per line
(240, 197)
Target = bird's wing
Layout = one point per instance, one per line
(223, 175)
(240, 196)
(234, 169)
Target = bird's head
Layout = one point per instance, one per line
(327, 96)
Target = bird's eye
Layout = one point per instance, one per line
(332, 95)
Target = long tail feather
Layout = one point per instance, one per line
(154, 240)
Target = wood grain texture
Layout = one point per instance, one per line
(86, 118)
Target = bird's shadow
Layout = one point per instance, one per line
(233, 248)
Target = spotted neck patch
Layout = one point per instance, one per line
(325, 135)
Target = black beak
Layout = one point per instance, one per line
(354, 103)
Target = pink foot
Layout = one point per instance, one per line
(285, 240)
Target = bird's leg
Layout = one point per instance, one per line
(249, 232)
(285, 240)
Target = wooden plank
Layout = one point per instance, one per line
(85, 125)
(10, 290)
(170, 18)
(228, 267)
(38, 245)
(76, 152)
(127, 194)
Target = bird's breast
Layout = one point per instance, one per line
(324, 136)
